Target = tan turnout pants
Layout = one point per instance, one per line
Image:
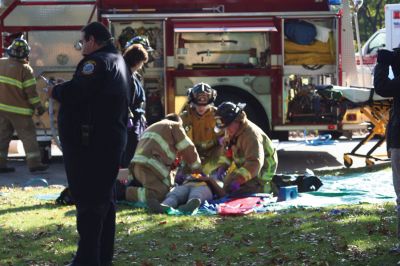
(154, 185)
(26, 132)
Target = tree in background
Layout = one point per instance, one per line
(371, 17)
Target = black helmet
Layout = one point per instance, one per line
(201, 94)
(19, 48)
(226, 113)
(143, 40)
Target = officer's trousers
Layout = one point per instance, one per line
(96, 228)
(26, 133)
(395, 161)
(91, 174)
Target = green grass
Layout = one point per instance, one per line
(37, 232)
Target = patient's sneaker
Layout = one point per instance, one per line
(190, 206)
(155, 206)
(395, 250)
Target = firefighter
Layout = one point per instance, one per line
(135, 56)
(154, 159)
(92, 125)
(18, 102)
(249, 148)
(199, 122)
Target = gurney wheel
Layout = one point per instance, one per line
(368, 162)
(347, 161)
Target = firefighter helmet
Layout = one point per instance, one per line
(19, 48)
(143, 40)
(226, 113)
(201, 94)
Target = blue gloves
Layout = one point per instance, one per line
(235, 185)
(180, 177)
(218, 174)
(386, 57)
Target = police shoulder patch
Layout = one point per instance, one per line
(88, 67)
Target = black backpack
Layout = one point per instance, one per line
(65, 197)
(304, 183)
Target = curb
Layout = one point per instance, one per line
(345, 170)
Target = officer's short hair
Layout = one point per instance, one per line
(135, 54)
(99, 32)
(173, 117)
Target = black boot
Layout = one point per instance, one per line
(7, 169)
(120, 190)
(41, 167)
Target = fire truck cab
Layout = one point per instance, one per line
(253, 51)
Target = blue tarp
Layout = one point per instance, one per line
(372, 187)
(354, 188)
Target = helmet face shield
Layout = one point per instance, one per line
(19, 49)
(202, 94)
(226, 113)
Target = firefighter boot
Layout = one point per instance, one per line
(38, 168)
(34, 162)
(155, 206)
(190, 206)
(4, 168)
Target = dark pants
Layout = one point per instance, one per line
(91, 174)
(96, 228)
(132, 141)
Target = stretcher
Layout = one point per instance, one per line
(374, 107)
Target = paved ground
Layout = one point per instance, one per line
(294, 156)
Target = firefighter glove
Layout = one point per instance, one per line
(385, 57)
(40, 110)
(180, 177)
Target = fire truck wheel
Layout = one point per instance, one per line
(254, 110)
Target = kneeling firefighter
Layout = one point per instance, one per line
(249, 148)
(154, 160)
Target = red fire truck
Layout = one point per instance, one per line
(246, 50)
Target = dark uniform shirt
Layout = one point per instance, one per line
(386, 87)
(95, 96)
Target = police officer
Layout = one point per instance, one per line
(18, 101)
(386, 87)
(249, 148)
(135, 56)
(92, 126)
(199, 122)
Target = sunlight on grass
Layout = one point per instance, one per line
(38, 232)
